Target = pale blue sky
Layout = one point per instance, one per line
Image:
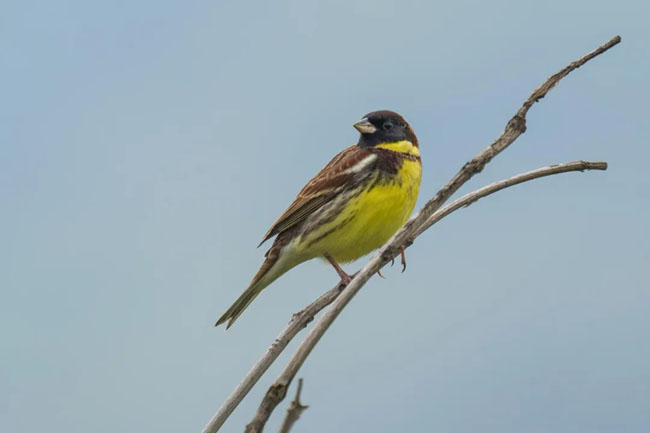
(145, 148)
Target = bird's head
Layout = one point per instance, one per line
(380, 127)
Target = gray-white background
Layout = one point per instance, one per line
(145, 147)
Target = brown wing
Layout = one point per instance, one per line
(320, 190)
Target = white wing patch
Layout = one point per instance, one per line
(359, 166)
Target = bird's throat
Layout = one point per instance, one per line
(403, 146)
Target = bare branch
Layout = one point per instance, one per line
(297, 323)
(294, 411)
(405, 237)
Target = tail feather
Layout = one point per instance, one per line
(239, 305)
(274, 266)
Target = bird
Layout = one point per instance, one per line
(350, 208)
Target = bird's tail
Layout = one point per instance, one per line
(275, 264)
(240, 305)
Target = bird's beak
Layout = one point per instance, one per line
(365, 127)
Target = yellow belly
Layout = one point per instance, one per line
(374, 216)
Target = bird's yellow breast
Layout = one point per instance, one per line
(371, 217)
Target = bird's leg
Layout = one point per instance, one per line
(403, 254)
(345, 278)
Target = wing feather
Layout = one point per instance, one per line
(320, 190)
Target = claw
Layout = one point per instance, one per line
(379, 273)
(403, 254)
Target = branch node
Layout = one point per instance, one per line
(518, 122)
(294, 410)
(388, 254)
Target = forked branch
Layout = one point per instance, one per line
(405, 237)
(426, 217)
(294, 411)
(277, 391)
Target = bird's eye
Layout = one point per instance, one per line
(388, 126)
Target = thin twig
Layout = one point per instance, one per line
(405, 237)
(294, 411)
(474, 196)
